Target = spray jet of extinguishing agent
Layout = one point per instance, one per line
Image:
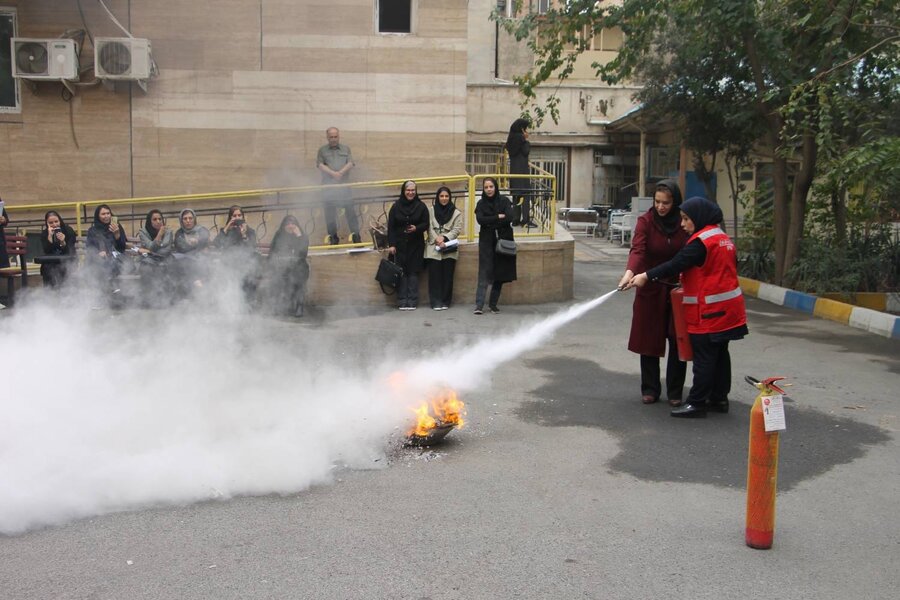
(762, 468)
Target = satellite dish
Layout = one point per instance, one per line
(31, 58)
(115, 58)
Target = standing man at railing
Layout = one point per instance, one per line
(334, 160)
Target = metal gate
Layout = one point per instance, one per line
(556, 162)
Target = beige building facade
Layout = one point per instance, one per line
(594, 165)
(244, 92)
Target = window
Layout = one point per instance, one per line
(395, 16)
(608, 39)
(542, 6)
(9, 87)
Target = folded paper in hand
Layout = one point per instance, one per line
(450, 246)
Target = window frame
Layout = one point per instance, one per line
(11, 13)
(413, 16)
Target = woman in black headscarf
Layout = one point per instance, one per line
(494, 214)
(237, 241)
(445, 224)
(4, 221)
(288, 267)
(58, 244)
(104, 242)
(658, 236)
(713, 304)
(157, 246)
(407, 223)
(518, 147)
(191, 242)
(237, 234)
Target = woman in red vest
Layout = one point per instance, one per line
(713, 304)
(658, 236)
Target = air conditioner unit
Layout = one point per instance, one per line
(45, 59)
(122, 58)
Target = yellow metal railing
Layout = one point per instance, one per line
(286, 199)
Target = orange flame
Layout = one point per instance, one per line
(446, 409)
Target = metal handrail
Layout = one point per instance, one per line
(80, 207)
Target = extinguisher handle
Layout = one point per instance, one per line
(765, 383)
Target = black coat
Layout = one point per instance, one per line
(495, 267)
(4, 257)
(101, 239)
(518, 148)
(410, 246)
(54, 248)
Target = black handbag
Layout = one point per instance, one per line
(506, 247)
(389, 274)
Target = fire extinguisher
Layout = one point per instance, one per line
(685, 352)
(762, 470)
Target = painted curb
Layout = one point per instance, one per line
(879, 323)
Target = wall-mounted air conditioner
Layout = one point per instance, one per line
(45, 59)
(122, 58)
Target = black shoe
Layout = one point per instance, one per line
(334, 240)
(354, 238)
(690, 411)
(494, 310)
(477, 311)
(531, 225)
(719, 407)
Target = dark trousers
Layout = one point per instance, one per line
(440, 281)
(712, 370)
(335, 199)
(408, 290)
(676, 371)
(496, 287)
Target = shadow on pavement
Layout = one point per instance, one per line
(656, 447)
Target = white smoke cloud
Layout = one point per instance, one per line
(104, 412)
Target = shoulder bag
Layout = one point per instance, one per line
(506, 247)
(389, 274)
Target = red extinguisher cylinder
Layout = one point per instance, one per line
(762, 476)
(683, 340)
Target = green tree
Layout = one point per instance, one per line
(733, 70)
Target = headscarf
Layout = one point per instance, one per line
(407, 207)
(282, 240)
(496, 189)
(442, 213)
(97, 221)
(148, 224)
(231, 211)
(62, 224)
(516, 138)
(181, 218)
(702, 212)
(672, 221)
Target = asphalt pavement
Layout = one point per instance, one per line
(562, 484)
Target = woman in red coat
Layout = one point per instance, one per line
(658, 236)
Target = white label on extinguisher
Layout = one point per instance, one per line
(773, 412)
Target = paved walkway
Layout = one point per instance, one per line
(562, 485)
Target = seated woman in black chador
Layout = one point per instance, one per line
(191, 242)
(104, 243)
(58, 244)
(157, 246)
(407, 223)
(288, 268)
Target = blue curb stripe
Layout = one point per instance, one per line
(896, 332)
(800, 301)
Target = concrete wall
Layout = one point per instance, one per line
(245, 92)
